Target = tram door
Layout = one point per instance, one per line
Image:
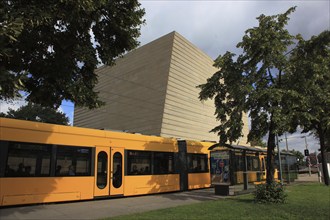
(117, 171)
(102, 171)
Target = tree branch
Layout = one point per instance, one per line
(270, 75)
(279, 77)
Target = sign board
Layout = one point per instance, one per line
(220, 164)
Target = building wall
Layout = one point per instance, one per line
(134, 91)
(152, 90)
(185, 115)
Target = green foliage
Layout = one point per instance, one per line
(308, 77)
(252, 82)
(281, 84)
(270, 193)
(35, 112)
(49, 49)
(258, 143)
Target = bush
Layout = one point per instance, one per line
(272, 193)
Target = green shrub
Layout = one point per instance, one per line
(272, 193)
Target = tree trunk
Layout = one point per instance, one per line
(324, 162)
(270, 155)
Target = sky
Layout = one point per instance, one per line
(217, 26)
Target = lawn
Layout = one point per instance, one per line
(305, 201)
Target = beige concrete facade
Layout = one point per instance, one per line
(152, 90)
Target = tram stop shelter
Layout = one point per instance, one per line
(236, 169)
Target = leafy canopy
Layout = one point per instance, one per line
(49, 49)
(308, 78)
(35, 112)
(282, 81)
(252, 81)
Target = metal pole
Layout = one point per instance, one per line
(308, 158)
(286, 158)
(245, 174)
(318, 168)
(279, 159)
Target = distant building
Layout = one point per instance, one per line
(152, 90)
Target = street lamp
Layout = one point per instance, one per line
(308, 158)
(286, 158)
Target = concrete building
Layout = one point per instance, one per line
(152, 90)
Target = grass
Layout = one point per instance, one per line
(304, 201)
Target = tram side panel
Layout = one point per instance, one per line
(45, 163)
(18, 191)
(34, 175)
(150, 167)
(198, 164)
(42, 163)
(51, 152)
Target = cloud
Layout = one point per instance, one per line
(15, 104)
(297, 141)
(217, 26)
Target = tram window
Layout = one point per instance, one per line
(102, 170)
(198, 163)
(163, 163)
(139, 162)
(28, 159)
(73, 161)
(117, 164)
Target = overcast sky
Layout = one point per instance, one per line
(217, 26)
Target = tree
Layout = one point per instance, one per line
(253, 82)
(49, 49)
(35, 112)
(11, 26)
(258, 142)
(309, 78)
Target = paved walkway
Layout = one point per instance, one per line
(119, 206)
(305, 177)
(107, 207)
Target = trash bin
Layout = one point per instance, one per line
(221, 189)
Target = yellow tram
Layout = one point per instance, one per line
(42, 163)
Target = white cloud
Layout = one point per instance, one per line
(217, 26)
(5, 105)
(60, 109)
(296, 141)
